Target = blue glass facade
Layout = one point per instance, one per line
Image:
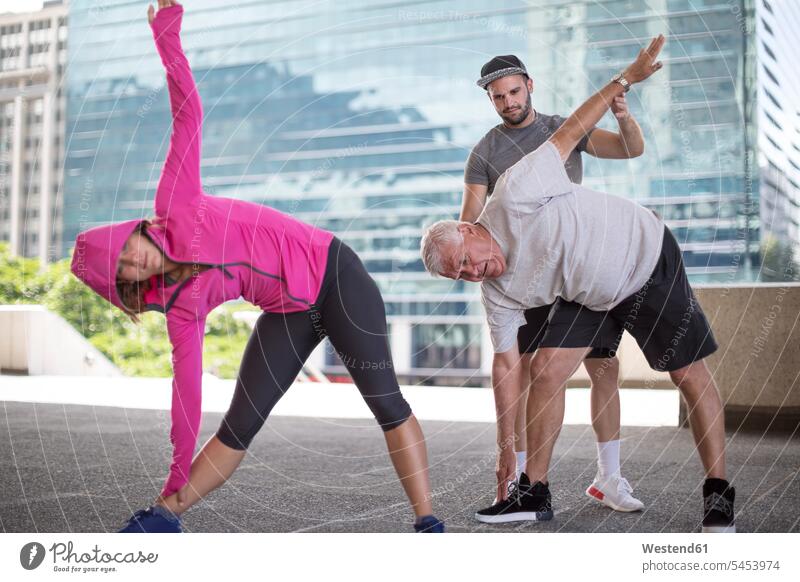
(359, 116)
(695, 172)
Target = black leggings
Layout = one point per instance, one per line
(350, 312)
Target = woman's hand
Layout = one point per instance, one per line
(151, 13)
(646, 63)
(177, 501)
(182, 495)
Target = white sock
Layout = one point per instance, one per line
(520, 462)
(608, 459)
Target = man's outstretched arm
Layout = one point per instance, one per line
(627, 143)
(589, 114)
(473, 201)
(506, 381)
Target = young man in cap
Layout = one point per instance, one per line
(522, 130)
(610, 265)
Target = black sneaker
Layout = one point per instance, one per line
(525, 502)
(718, 498)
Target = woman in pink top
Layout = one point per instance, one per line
(201, 251)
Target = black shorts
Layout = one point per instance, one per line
(664, 317)
(529, 336)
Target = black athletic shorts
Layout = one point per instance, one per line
(530, 335)
(664, 317)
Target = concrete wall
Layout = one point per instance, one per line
(757, 367)
(37, 342)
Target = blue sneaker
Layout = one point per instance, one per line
(154, 519)
(429, 524)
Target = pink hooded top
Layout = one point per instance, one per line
(256, 252)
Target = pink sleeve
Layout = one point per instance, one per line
(186, 337)
(180, 178)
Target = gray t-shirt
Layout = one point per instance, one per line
(502, 147)
(562, 240)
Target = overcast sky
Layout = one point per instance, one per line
(20, 5)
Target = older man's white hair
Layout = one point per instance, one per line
(437, 236)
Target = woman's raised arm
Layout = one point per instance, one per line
(180, 178)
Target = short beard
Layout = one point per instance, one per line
(521, 116)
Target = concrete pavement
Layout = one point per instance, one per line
(85, 468)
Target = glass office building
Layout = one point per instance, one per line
(777, 144)
(33, 54)
(358, 116)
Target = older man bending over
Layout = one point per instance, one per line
(610, 265)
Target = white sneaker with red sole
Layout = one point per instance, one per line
(614, 492)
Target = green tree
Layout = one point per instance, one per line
(89, 313)
(19, 278)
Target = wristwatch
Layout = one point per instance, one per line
(620, 78)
